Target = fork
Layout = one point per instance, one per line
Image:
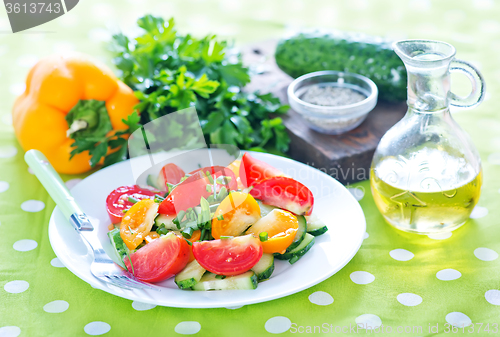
(102, 267)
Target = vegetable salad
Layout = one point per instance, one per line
(215, 228)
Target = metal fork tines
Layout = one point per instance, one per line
(103, 267)
(106, 270)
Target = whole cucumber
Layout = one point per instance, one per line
(356, 53)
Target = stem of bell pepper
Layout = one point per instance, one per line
(88, 119)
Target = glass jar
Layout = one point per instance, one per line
(426, 173)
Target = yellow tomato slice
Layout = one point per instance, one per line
(137, 222)
(235, 167)
(238, 210)
(151, 236)
(280, 226)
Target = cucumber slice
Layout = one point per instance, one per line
(118, 245)
(299, 251)
(265, 267)
(300, 235)
(151, 180)
(315, 226)
(265, 209)
(166, 220)
(245, 281)
(190, 275)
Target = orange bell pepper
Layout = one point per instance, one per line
(67, 99)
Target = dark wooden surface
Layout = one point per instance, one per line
(346, 157)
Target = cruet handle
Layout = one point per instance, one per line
(478, 86)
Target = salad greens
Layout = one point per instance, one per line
(170, 71)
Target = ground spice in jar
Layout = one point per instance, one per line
(333, 122)
(331, 96)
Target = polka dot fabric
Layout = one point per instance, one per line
(396, 279)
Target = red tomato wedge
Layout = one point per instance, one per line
(171, 174)
(218, 171)
(228, 256)
(188, 193)
(117, 201)
(285, 193)
(160, 259)
(253, 170)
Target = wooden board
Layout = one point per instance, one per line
(345, 157)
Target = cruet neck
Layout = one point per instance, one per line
(428, 66)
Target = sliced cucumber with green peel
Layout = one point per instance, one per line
(299, 251)
(118, 244)
(190, 275)
(166, 220)
(210, 281)
(300, 235)
(152, 181)
(265, 267)
(315, 226)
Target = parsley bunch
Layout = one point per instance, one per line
(169, 71)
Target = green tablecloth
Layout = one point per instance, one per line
(395, 279)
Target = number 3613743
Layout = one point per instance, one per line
(472, 328)
(33, 8)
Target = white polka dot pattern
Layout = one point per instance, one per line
(25, 245)
(458, 319)
(55, 262)
(4, 186)
(16, 287)
(493, 296)
(56, 307)
(10, 331)
(96, 328)
(448, 274)
(321, 298)
(486, 254)
(362, 277)
(7, 151)
(401, 254)
(409, 299)
(140, 306)
(440, 236)
(32, 206)
(368, 321)
(278, 324)
(479, 212)
(188, 328)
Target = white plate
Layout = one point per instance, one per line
(333, 204)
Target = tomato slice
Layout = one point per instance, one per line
(280, 226)
(137, 222)
(253, 170)
(285, 193)
(218, 171)
(238, 210)
(171, 174)
(228, 256)
(195, 237)
(160, 259)
(188, 193)
(117, 201)
(235, 167)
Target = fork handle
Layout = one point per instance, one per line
(57, 190)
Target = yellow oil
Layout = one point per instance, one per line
(422, 198)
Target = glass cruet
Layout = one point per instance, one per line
(426, 173)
